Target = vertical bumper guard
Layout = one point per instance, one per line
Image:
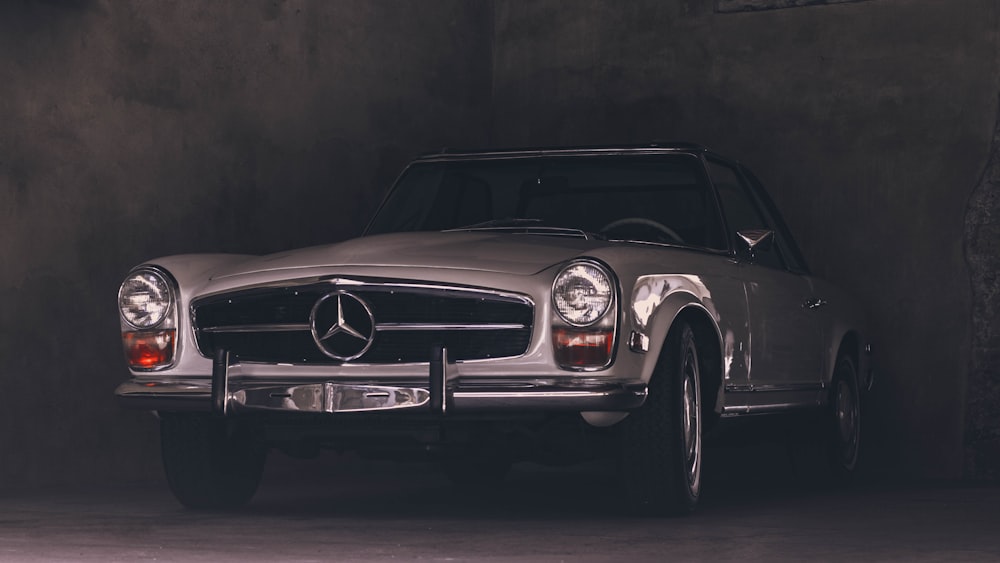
(439, 380)
(220, 382)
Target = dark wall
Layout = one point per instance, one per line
(132, 130)
(870, 122)
(982, 252)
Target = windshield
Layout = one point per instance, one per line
(647, 198)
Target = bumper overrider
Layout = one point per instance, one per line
(442, 392)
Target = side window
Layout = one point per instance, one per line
(740, 211)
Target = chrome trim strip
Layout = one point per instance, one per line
(155, 395)
(740, 410)
(622, 398)
(775, 388)
(380, 327)
(394, 327)
(257, 328)
(372, 283)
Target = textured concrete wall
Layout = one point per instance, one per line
(982, 248)
(130, 130)
(870, 122)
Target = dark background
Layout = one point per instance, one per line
(134, 130)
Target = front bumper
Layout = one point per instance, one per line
(441, 392)
(331, 397)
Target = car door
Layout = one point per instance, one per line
(784, 358)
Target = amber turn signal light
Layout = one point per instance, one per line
(149, 349)
(582, 348)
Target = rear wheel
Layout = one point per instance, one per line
(661, 450)
(209, 463)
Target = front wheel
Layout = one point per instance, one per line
(661, 450)
(844, 420)
(209, 463)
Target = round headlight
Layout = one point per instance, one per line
(582, 293)
(144, 299)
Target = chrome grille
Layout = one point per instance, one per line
(272, 324)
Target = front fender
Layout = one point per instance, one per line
(656, 302)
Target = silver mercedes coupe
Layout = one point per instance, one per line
(547, 305)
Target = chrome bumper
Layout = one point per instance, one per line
(440, 393)
(330, 397)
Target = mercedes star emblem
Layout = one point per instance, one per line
(342, 325)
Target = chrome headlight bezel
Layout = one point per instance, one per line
(583, 292)
(158, 295)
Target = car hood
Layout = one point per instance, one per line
(518, 254)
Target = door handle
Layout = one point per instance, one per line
(814, 303)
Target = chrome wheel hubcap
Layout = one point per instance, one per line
(692, 422)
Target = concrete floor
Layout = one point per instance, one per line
(354, 510)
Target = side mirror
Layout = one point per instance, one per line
(756, 239)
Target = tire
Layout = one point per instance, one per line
(210, 464)
(844, 420)
(661, 447)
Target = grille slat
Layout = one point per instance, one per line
(271, 325)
